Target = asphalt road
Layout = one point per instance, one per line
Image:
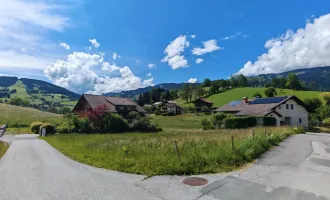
(298, 169)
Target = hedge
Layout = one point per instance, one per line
(240, 122)
(50, 128)
(246, 122)
(35, 127)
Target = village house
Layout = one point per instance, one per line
(171, 107)
(199, 103)
(289, 111)
(118, 105)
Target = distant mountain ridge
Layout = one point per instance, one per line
(317, 78)
(134, 93)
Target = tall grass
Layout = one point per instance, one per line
(155, 154)
(3, 148)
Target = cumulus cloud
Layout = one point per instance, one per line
(65, 46)
(149, 74)
(199, 60)
(151, 65)
(193, 36)
(108, 67)
(209, 46)
(78, 73)
(307, 47)
(27, 23)
(173, 52)
(232, 36)
(192, 80)
(94, 43)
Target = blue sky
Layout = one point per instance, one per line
(72, 42)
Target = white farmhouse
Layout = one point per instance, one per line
(290, 111)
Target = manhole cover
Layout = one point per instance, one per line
(195, 181)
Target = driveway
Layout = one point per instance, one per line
(298, 169)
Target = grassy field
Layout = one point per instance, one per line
(237, 94)
(3, 148)
(14, 115)
(186, 121)
(155, 154)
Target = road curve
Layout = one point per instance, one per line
(33, 170)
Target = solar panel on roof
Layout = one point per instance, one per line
(234, 103)
(268, 100)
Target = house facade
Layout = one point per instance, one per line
(118, 105)
(290, 111)
(171, 107)
(199, 103)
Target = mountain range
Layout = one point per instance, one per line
(42, 94)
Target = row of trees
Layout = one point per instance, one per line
(157, 95)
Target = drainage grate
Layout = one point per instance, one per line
(195, 181)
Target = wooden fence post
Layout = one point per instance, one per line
(177, 150)
(232, 142)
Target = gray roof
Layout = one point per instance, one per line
(240, 108)
(111, 102)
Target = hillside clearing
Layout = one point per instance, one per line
(154, 154)
(221, 99)
(15, 116)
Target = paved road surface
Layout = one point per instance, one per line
(298, 169)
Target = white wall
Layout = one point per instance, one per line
(297, 112)
(171, 109)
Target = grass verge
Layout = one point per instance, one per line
(155, 154)
(3, 148)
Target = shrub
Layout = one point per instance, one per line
(50, 128)
(313, 103)
(257, 95)
(218, 119)
(65, 128)
(35, 127)
(157, 111)
(326, 122)
(133, 115)
(145, 125)
(206, 124)
(266, 121)
(114, 123)
(206, 110)
(240, 122)
(148, 109)
(270, 92)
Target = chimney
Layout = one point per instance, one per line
(246, 100)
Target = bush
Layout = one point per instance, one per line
(50, 128)
(266, 121)
(240, 122)
(145, 125)
(257, 95)
(206, 124)
(114, 123)
(218, 119)
(326, 122)
(206, 110)
(157, 111)
(35, 127)
(270, 92)
(65, 128)
(133, 115)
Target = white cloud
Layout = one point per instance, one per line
(151, 66)
(193, 36)
(149, 74)
(28, 23)
(115, 56)
(94, 43)
(173, 52)
(65, 46)
(192, 80)
(307, 47)
(199, 60)
(77, 73)
(232, 36)
(209, 46)
(108, 67)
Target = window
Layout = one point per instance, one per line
(291, 106)
(287, 106)
(300, 120)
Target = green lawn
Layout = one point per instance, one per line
(155, 154)
(237, 94)
(3, 148)
(14, 115)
